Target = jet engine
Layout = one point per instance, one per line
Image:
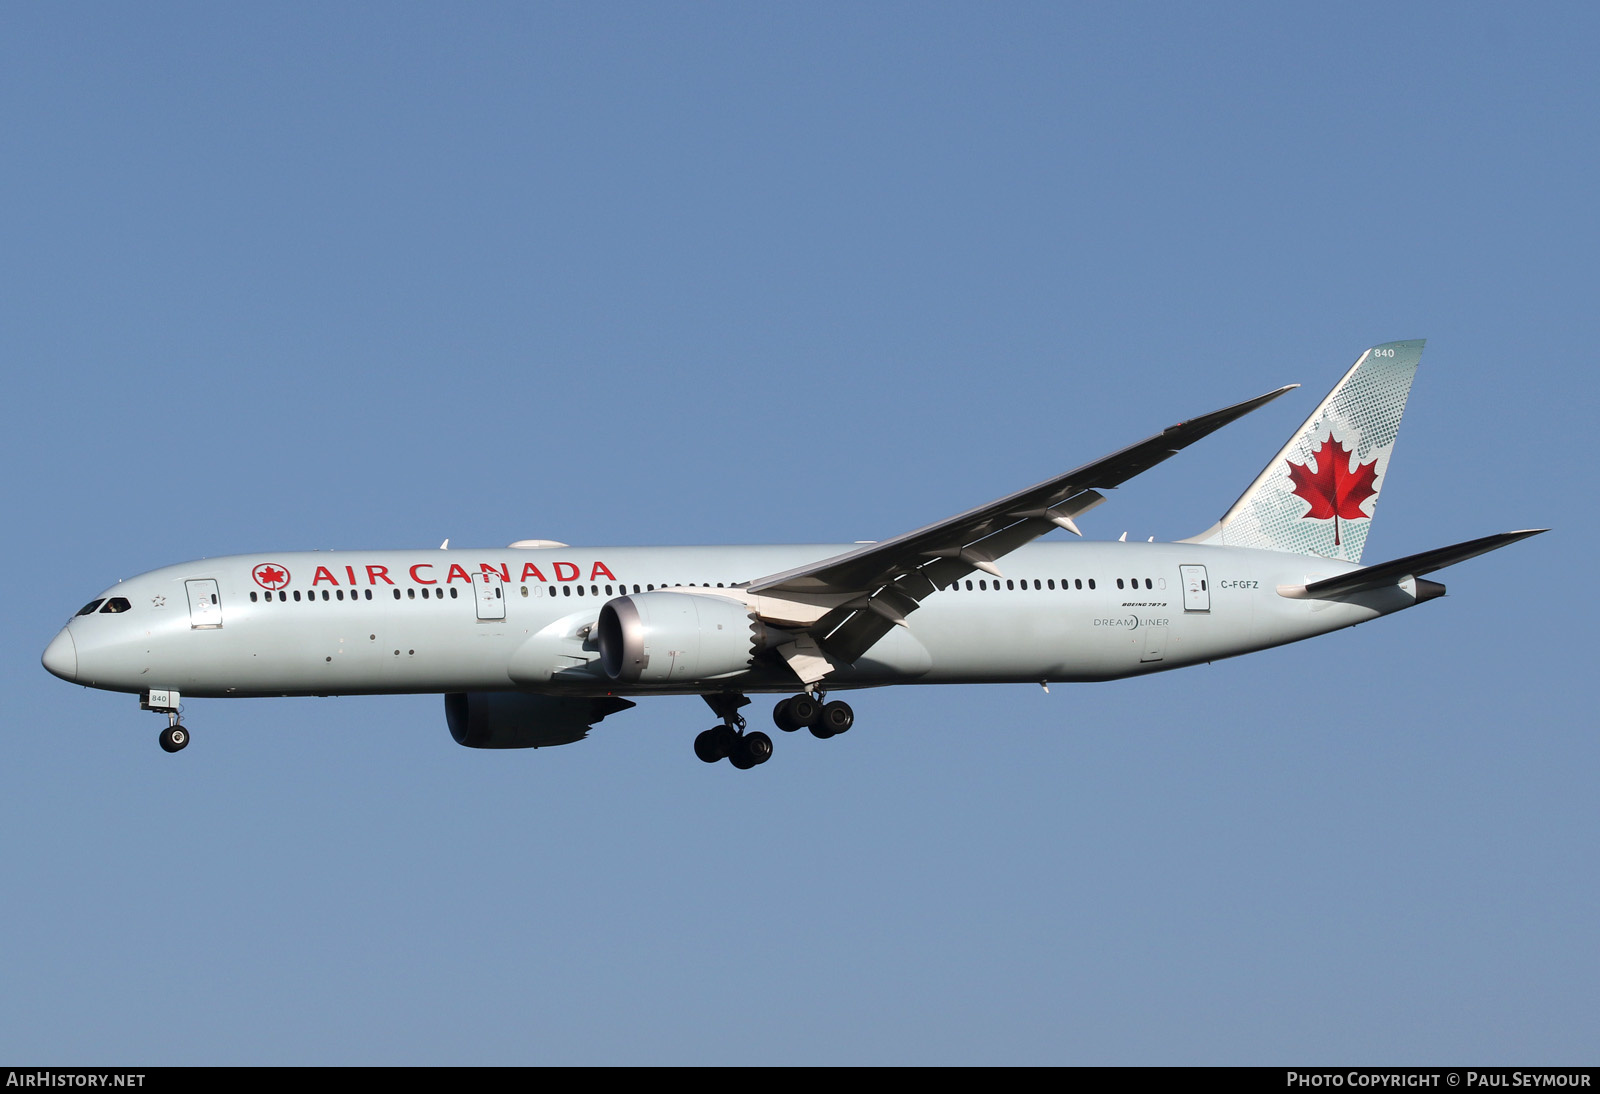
(516, 719)
(667, 637)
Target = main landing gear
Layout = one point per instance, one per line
(174, 737)
(730, 742)
(824, 720)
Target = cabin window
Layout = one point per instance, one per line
(1051, 582)
(397, 594)
(1119, 583)
(252, 600)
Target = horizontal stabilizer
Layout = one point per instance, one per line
(1392, 573)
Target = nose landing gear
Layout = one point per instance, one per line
(174, 737)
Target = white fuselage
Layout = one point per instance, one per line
(365, 622)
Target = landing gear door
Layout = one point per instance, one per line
(205, 607)
(1196, 590)
(490, 597)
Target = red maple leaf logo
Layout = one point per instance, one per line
(269, 576)
(1334, 489)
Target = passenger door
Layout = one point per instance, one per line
(205, 606)
(489, 594)
(1196, 590)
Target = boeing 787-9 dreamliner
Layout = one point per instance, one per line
(533, 644)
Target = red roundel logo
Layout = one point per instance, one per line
(269, 576)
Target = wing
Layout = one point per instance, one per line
(857, 596)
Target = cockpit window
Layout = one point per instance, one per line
(116, 604)
(88, 609)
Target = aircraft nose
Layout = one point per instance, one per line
(61, 656)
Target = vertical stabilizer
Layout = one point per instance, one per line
(1317, 496)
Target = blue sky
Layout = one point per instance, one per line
(371, 276)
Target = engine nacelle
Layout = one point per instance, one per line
(515, 719)
(668, 638)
